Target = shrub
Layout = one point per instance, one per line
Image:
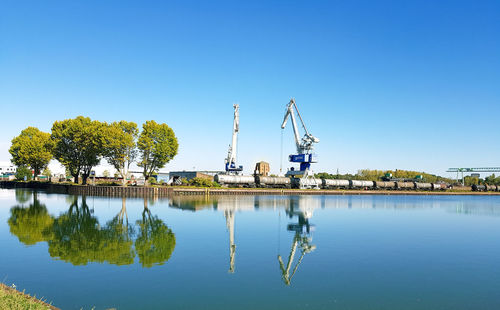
(152, 180)
(23, 171)
(203, 182)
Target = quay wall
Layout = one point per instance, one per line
(139, 191)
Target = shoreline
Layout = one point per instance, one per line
(154, 191)
(18, 298)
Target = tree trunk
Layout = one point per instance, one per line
(76, 178)
(84, 178)
(145, 173)
(124, 179)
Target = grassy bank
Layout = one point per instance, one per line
(12, 299)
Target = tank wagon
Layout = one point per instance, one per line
(405, 185)
(235, 180)
(330, 184)
(486, 188)
(493, 188)
(362, 184)
(386, 185)
(273, 182)
(285, 182)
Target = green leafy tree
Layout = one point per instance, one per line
(120, 146)
(32, 148)
(469, 181)
(152, 180)
(157, 145)
(155, 242)
(23, 171)
(78, 145)
(31, 225)
(492, 180)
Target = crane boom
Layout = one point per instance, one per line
(230, 161)
(304, 145)
(289, 112)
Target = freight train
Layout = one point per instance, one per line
(284, 182)
(486, 188)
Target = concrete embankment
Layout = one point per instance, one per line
(137, 191)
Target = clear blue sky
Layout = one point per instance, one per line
(384, 84)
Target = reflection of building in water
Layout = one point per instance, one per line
(302, 207)
(191, 203)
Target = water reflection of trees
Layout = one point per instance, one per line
(30, 224)
(155, 241)
(76, 236)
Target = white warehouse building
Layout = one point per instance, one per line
(7, 168)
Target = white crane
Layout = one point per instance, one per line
(305, 145)
(230, 162)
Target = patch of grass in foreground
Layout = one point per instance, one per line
(12, 299)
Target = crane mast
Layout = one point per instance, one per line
(304, 145)
(230, 162)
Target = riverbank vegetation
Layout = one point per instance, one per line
(379, 175)
(12, 299)
(80, 144)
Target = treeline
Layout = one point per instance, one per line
(490, 180)
(79, 144)
(378, 175)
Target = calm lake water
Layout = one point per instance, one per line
(253, 252)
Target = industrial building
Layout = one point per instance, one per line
(175, 175)
(7, 168)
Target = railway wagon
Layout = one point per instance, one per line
(436, 186)
(385, 185)
(307, 183)
(235, 180)
(361, 184)
(329, 183)
(405, 185)
(274, 182)
(478, 188)
(426, 186)
(491, 188)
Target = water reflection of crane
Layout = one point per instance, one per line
(229, 214)
(230, 205)
(303, 208)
